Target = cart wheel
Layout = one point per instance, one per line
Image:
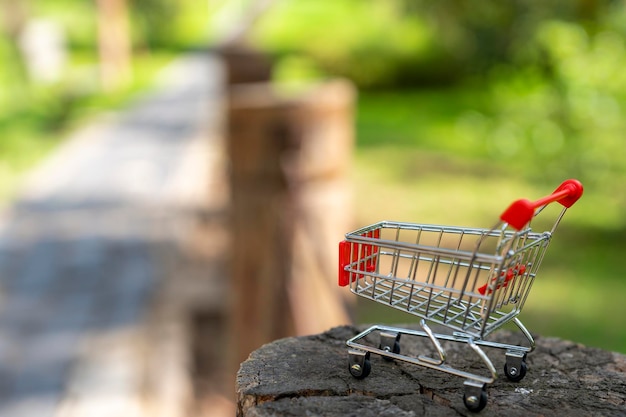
(395, 349)
(475, 403)
(514, 374)
(360, 371)
(359, 363)
(389, 342)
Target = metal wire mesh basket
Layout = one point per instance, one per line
(469, 280)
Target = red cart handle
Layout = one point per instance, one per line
(522, 211)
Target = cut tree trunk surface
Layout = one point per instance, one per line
(309, 376)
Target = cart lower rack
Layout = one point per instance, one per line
(469, 281)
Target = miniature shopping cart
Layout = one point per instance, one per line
(469, 281)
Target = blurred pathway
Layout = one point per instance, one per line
(90, 244)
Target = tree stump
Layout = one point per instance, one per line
(309, 376)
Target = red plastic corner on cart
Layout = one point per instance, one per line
(361, 256)
(510, 274)
(344, 259)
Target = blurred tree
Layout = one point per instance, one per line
(13, 20)
(152, 19)
(114, 43)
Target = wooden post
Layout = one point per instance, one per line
(288, 159)
(245, 65)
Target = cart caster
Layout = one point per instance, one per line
(475, 396)
(515, 367)
(389, 342)
(359, 363)
(515, 374)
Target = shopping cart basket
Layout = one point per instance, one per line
(469, 281)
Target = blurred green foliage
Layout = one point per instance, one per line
(465, 107)
(169, 24)
(540, 85)
(372, 43)
(395, 43)
(35, 116)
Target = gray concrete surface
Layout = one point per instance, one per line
(87, 249)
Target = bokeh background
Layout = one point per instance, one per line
(462, 108)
